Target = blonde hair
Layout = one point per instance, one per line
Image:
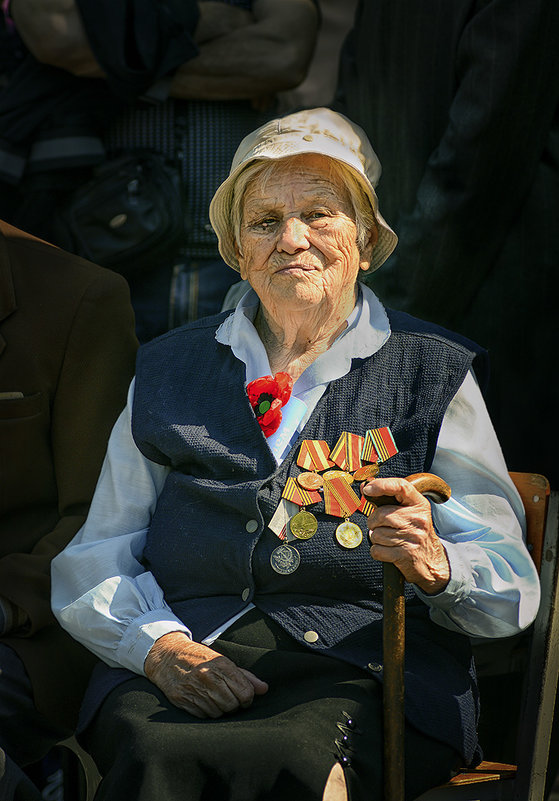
(364, 215)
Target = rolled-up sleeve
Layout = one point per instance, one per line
(101, 593)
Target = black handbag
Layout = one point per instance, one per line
(130, 216)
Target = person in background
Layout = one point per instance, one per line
(229, 573)
(67, 351)
(462, 102)
(248, 51)
(318, 87)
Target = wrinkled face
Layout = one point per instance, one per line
(298, 236)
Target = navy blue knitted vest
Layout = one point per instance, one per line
(191, 413)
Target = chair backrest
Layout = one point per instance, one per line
(536, 717)
(534, 491)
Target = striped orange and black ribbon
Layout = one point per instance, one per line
(346, 453)
(293, 492)
(379, 445)
(314, 455)
(339, 499)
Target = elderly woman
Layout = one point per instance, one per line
(229, 573)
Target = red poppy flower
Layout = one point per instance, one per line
(267, 395)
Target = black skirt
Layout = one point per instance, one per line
(317, 711)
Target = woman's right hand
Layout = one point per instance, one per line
(199, 680)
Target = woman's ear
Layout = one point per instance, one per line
(367, 251)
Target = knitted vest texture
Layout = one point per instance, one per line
(191, 413)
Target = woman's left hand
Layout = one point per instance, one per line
(404, 534)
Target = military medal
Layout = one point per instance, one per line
(296, 494)
(313, 456)
(303, 525)
(366, 472)
(310, 481)
(341, 501)
(285, 559)
(330, 474)
(280, 519)
(379, 445)
(346, 453)
(340, 467)
(349, 535)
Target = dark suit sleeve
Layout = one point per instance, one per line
(477, 178)
(91, 391)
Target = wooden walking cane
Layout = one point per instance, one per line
(393, 643)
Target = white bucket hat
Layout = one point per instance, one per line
(318, 130)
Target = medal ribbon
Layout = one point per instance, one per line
(280, 518)
(313, 455)
(379, 445)
(346, 453)
(366, 506)
(339, 499)
(296, 494)
(331, 505)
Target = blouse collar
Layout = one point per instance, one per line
(366, 332)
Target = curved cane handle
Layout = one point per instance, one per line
(427, 484)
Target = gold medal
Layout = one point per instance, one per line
(303, 525)
(285, 559)
(310, 481)
(329, 474)
(365, 472)
(349, 535)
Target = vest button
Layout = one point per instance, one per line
(375, 667)
(310, 636)
(245, 595)
(251, 526)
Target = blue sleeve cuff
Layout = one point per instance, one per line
(141, 634)
(459, 586)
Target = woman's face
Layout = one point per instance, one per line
(298, 236)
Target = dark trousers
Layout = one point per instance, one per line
(317, 711)
(26, 736)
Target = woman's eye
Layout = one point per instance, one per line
(317, 214)
(265, 223)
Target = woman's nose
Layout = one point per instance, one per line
(293, 235)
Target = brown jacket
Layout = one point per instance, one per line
(67, 350)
